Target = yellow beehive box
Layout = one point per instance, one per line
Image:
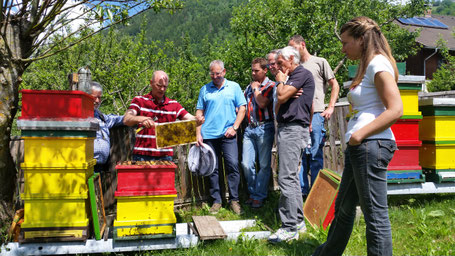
(437, 155)
(437, 128)
(66, 181)
(43, 234)
(410, 100)
(153, 227)
(54, 212)
(57, 151)
(145, 208)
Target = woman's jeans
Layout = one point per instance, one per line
(364, 181)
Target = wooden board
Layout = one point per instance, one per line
(175, 133)
(321, 198)
(208, 228)
(97, 205)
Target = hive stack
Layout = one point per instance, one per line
(438, 137)
(145, 200)
(404, 166)
(58, 129)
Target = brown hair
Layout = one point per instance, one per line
(298, 39)
(374, 43)
(261, 61)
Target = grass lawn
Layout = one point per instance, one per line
(421, 225)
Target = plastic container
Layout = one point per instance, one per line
(56, 212)
(141, 210)
(66, 181)
(57, 151)
(438, 155)
(146, 178)
(49, 103)
(406, 130)
(437, 128)
(406, 157)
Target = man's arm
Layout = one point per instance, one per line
(261, 100)
(333, 98)
(131, 119)
(231, 132)
(283, 91)
(199, 116)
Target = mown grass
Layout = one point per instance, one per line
(421, 225)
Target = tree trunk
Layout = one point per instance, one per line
(11, 71)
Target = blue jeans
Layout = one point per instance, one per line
(151, 158)
(364, 181)
(257, 144)
(227, 147)
(313, 158)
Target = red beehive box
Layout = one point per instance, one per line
(140, 180)
(406, 130)
(406, 157)
(56, 104)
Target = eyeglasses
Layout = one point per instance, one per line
(271, 65)
(215, 73)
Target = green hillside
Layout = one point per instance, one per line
(198, 19)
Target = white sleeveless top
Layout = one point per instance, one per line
(365, 101)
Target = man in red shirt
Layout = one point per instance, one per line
(149, 109)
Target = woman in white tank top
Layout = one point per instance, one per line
(376, 105)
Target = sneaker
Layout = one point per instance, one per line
(215, 208)
(301, 227)
(283, 235)
(235, 206)
(256, 204)
(249, 201)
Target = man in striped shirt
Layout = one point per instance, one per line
(149, 109)
(259, 134)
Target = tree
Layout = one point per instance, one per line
(25, 26)
(262, 25)
(444, 77)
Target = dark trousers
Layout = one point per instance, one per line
(226, 147)
(364, 181)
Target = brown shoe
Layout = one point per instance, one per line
(215, 208)
(235, 206)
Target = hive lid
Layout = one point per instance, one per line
(438, 102)
(74, 124)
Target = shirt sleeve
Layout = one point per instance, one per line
(379, 64)
(239, 97)
(268, 91)
(328, 72)
(181, 112)
(135, 105)
(200, 100)
(113, 120)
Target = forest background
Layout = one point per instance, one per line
(183, 44)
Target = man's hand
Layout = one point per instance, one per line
(255, 85)
(200, 120)
(281, 77)
(328, 113)
(298, 93)
(199, 139)
(147, 122)
(230, 132)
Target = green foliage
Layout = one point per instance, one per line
(317, 21)
(444, 77)
(445, 7)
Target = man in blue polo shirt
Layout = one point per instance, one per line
(222, 104)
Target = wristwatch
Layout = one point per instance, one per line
(255, 89)
(235, 129)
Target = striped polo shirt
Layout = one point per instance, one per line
(167, 111)
(254, 113)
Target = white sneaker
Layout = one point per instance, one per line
(283, 235)
(301, 227)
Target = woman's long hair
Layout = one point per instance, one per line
(374, 43)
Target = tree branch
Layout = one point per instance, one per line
(340, 64)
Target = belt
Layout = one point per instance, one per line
(256, 124)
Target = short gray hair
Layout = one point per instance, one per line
(217, 63)
(287, 52)
(96, 86)
(270, 53)
(159, 71)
